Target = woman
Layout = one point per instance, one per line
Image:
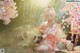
(49, 29)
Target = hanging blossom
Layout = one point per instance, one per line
(8, 11)
(74, 10)
(72, 7)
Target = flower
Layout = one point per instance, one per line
(8, 11)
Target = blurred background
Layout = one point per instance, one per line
(30, 16)
(20, 32)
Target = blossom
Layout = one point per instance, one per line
(8, 11)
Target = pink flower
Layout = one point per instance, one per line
(8, 2)
(7, 11)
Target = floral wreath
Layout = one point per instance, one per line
(7, 11)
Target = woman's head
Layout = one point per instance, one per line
(50, 14)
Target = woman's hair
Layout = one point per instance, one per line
(49, 12)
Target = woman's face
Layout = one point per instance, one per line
(50, 18)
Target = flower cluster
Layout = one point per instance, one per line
(7, 11)
(74, 10)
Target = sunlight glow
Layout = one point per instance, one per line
(41, 3)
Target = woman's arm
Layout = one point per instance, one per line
(43, 27)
